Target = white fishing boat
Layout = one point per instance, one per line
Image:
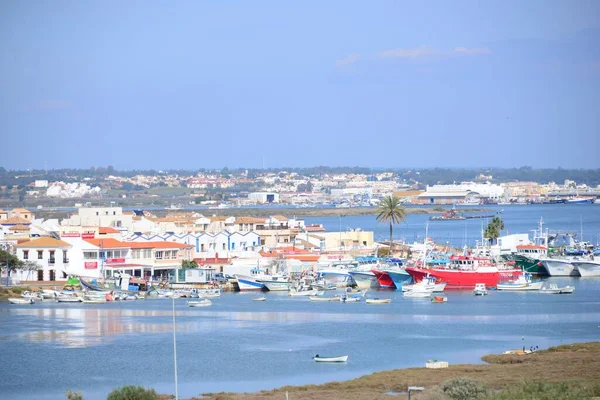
(551, 289)
(27, 294)
(521, 283)
(20, 300)
(378, 301)
(567, 290)
(480, 289)
(587, 268)
(91, 300)
(247, 282)
(364, 279)
(319, 358)
(559, 266)
(68, 299)
(276, 283)
(199, 303)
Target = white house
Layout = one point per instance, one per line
(52, 256)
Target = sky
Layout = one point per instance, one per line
(252, 84)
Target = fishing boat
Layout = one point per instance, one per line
(587, 268)
(93, 300)
(520, 283)
(276, 283)
(309, 292)
(21, 300)
(427, 284)
(567, 290)
(319, 358)
(364, 279)
(465, 271)
(528, 258)
(480, 289)
(378, 301)
(68, 298)
(439, 299)
(246, 282)
(384, 279)
(559, 266)
(450, 215)
(551, 289)
(400, 277)
(262, 298)
(199, 303)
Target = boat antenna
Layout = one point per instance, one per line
(175, 351)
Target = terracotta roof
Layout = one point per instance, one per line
(530, 246)
(248, 220)
(14, 221)
(19, 228)
(279, 217)
(108, 243)
(158, 245)
(44, 242)
(2, 211)
(218, 218)
(105, 230)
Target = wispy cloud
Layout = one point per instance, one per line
(351, 59)
(424, 52)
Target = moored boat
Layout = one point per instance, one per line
(21, 300)
(587, 268)
(417, 294)
(521, 283)
(364, 279)
(480, 289)
(324, 299)
(319, 358)
(439, 299)
(246, 282)
(262, 298)
(199, 303)
(559, 267)
(378, 301)
(384, 279)
(465, 271)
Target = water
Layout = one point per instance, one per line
(517, 219)
(241, 345)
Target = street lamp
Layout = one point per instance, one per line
(414, 389)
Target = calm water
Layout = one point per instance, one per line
(517, 219)
(241, 345)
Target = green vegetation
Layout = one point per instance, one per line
(132, 393)
(185, 264)
(492, 231)
(390, 210)
(71, 395)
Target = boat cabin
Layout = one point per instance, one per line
(532, 251)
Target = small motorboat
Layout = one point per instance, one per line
(21, 300)
(200, 303)
(567, 290)
(552, 289)
(94, 300)
(263, 298)
(319, 358)
(439, 299)
(378, 301)
(480, 289)
(317, 298)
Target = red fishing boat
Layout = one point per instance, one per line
(465, 271)
(384, 279)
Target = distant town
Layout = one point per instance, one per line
(309, 187)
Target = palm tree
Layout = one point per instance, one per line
(390, 210)
(492, 231)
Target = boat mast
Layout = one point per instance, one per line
(425, 244)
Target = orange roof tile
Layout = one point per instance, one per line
(279, 217)
(105, 230)
(108, 243)
(14, 221)
(248, 220)
(19, 228)
(21, 210)
(44, 242)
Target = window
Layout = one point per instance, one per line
(223, 246)
(232, 246)
(52, 275)
(147, 253)
(25, 254)
(97, 213)
(114, 213)
(159, 255)
(202, 247)
(90, 255)
(40, 254)
(40, 275)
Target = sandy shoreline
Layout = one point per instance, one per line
(580, 362)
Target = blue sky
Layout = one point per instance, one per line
(209, 84)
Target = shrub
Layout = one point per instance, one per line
(71, 395)
(17, 290)
(540, 390)
(132, 393)
(462, 388)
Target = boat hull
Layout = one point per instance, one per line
(587, 268)
(246, 283)
(384, 279)
(275, 286)
(365, 280)
(558, 267)
(465, 279)
(533, 266)
(400, 278)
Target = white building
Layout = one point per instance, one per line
(264, 197)
(100, 216)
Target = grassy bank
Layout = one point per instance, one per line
(6, 292)
(557, 373)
